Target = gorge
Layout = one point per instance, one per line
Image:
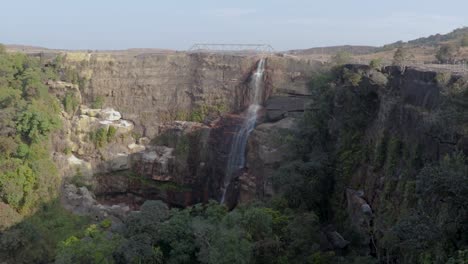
(199, 157)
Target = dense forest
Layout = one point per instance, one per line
(427, 225)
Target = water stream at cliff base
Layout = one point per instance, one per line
(236, 159)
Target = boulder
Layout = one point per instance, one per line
(156, 162)
(119, 161)
(144, 141)
(134, 148)
(84, 123)
(110, 114)
(336, 240)
(123, 126)
(84, 110)
(80, 166)
(81, 201)
(359, 213)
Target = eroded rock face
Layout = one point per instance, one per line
(267, 149)
(176, 155)
(80, 166)
(151, 89)
(82, 202)
(110, 114)
(156, 163)
(279, 107)
(62, 89)
(145, 92)
(359, 213)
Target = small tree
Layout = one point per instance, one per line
(111, 133)
(98, 102)
(101, 137)
(376, 63)
(70, 103)
(341, 57)
(352, 77)
(464, 41)
(447, 53)
(400, 57)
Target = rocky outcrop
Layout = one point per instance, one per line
(63, 89)
(103, 139)
(403, 106)
(359, 214)
(82, 202)
(177, 155)
(279, 107)
(268, 147)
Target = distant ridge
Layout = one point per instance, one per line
(430, 41)
(433, 40)
(355, 50)
(36, 49)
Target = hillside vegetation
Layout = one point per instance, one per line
(29, 180)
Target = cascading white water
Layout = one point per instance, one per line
(236, 159)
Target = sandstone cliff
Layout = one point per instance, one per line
(150, 89)
(160, 95)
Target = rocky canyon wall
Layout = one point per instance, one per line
(151, 88)
(186, 108)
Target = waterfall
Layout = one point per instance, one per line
(236, 159)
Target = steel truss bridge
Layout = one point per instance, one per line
(232, 48)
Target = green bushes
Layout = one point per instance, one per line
(200, 234)
(351, 77)
(447, 53)
(111, 133)
(341, 58)
(16, 182)
(70, 103)
(99, 137)
(201, 112)
(464, 41)
(376, 64)
(29, 180)
(35, 124)
(102, 136)
(442, 78)
(79, 180)
(29, 115)
(35, 239)
(96, 247)
(98, 102)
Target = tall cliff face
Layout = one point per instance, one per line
(150, 89)
(378, 130)
(158, 94)
(403, 104)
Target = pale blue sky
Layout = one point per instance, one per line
(177, 24)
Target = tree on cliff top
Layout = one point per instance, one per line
(400, 57)
(464, 41)
(341, 57)
(447, 53)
